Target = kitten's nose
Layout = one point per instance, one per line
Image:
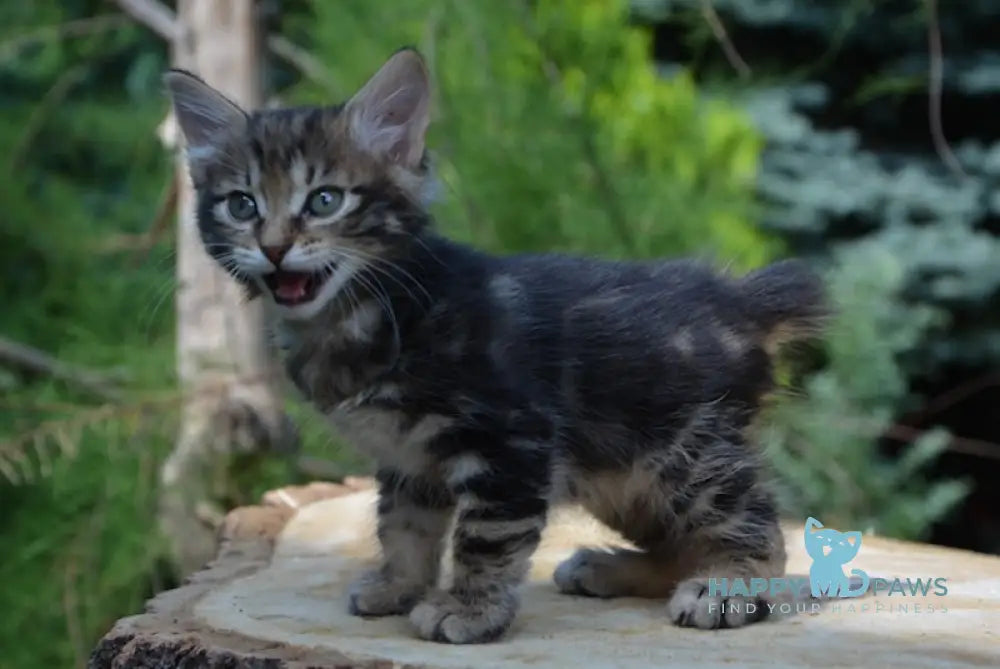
(275, 253)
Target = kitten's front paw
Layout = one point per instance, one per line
(693, 606)
(374, 594)
(478, 617)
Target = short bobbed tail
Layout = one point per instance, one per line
(787, 300)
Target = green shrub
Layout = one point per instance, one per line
(554, 130)
(578, 146)
(824, 443)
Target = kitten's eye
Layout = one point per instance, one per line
(241, 206)
(324, 201)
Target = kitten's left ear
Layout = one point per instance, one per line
(390, 114)
(204, 115)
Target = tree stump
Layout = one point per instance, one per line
(274, 597)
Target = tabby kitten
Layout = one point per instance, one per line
(488, 388)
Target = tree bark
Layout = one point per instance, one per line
(232, 409)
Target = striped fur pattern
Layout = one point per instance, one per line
(488, 388)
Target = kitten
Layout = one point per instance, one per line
(488, 388)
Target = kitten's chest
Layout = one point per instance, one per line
(390, 436)
(349, 380)
(326, 369)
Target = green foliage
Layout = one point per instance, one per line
(79, 168)
(837, 473)
(825, 186)
(576, 146)
(849, 147)
(78, 548)
(555, 131)
(851, 167)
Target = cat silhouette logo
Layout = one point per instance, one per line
(830, 551)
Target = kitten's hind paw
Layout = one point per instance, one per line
(590, 573)
(376, 595)
(692, 605)
(464, 618)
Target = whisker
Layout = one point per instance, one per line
(166, 289)
(386, 273)
(393, 266)
(427, 248)
(378, 292)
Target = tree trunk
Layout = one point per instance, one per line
(232, 409)
(276, 598)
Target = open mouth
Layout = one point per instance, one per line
(292, 288)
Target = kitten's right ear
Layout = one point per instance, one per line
(204, 114)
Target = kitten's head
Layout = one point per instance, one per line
(298, 203)
(829, 545)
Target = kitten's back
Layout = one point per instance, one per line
(640, 345)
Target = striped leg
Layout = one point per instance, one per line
(501, 488)
(748, 545)
(413, 516)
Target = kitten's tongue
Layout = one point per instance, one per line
(291, 285)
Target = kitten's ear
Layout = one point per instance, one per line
(812, 524)
(204, 114)
(390, 114)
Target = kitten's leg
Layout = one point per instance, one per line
(634, 501)
(708, 519)
(747, 546)
(501, 485)
(731, 531)
(621, 572)
(413, 516)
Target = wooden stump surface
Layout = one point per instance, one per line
(275, 598)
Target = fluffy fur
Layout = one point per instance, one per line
(488, 388)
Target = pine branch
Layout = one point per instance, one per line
(51, 101)
(31, 360)
(162, 220)
(936, 77)
(65, 432)
(722, 37)
(77, 28)
(157, 17)
(307, 64)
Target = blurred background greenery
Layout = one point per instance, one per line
(739, 130)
